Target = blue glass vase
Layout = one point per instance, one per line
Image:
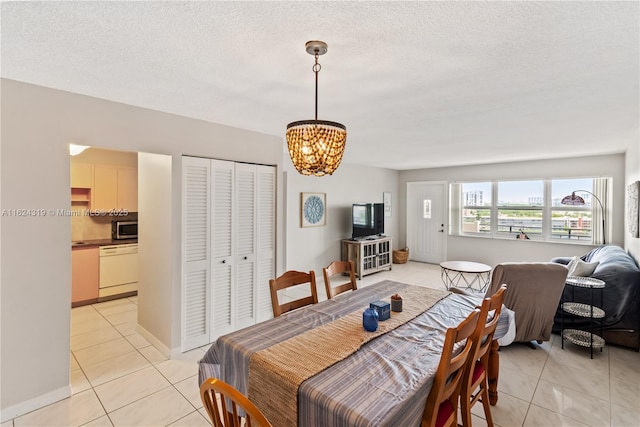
(370, 320)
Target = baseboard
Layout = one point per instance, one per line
(159, 345)
(30, 405)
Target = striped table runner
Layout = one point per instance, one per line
(276, 372)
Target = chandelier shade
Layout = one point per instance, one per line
(316, 146)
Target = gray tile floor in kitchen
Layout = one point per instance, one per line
(119, 379)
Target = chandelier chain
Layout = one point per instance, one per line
(316, 69)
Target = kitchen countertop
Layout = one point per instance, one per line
(101, 242)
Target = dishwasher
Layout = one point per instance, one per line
(118, 269)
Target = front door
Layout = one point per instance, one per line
(426, 221)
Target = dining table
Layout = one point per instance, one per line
(317, 366)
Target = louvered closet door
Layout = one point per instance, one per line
(196, 254)
(229, 247)
(245, 215)
(222, 247)
(266, 238)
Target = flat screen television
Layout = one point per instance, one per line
(367, 219)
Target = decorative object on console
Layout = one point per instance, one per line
(621, 304)
(573, 200)
(313, 209)
(316, 146)
(633, 213)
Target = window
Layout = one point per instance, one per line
(505, 209)
(520, 205)
(476, 207)
(571, 222)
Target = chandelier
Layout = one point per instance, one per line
(316, 146)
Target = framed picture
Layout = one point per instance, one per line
(386, 198)
(633, 212)
(313, 209)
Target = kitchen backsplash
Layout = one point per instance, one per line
(84, 227)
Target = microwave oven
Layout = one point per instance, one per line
(121, 230)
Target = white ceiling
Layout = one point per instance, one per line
(418, 84)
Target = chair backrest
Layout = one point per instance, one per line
(533, 293)
(226, 405)
(442, 403)
(288, 279)
(335, 268)
(487, 323)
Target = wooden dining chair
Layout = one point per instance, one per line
(288, 279)
(224, 405)
(442, 403)
(335, 268)
(475, 376)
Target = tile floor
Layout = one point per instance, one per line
(119, 379)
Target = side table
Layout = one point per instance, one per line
(589, 311)
(453, 273)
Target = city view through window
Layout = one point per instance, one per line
(514, 207)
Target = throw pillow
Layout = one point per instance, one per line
(577, 267)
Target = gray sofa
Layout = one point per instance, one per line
(621, 297)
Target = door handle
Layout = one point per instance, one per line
(244, 258)
(440, 231)
(224, 261)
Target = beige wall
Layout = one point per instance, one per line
(313, 248)
(37, 126)
(155, 311)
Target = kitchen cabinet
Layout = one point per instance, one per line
(81, 175)
(128, 189)
(115, 188)
(85, 268)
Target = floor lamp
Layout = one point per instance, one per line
(574, 200)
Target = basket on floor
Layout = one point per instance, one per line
(401, 256)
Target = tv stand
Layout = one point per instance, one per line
(369, 255)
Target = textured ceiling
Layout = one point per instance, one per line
(418, 84)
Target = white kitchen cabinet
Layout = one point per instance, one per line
(228, 247)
